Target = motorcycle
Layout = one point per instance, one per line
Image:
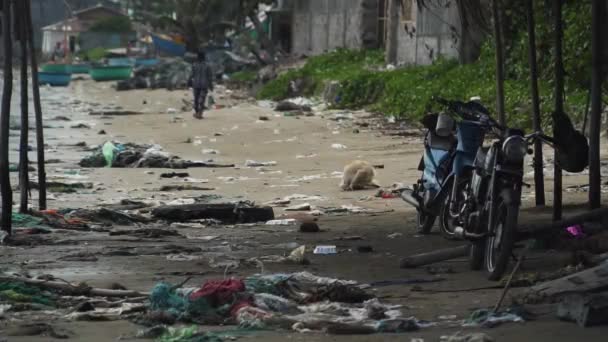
(444, 160)
(484, 203)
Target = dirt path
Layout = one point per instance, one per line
(306, 163)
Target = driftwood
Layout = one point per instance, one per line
(550, 227)
(435, 256)
(592, 279)
(75, 290)
(229, 213)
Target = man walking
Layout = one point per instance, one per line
(202, 82)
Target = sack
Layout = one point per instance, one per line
(571, 145)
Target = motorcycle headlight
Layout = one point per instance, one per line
(515, 149)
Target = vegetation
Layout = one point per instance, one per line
(245, 76)
(93, 55)
(116, 24)
(407, 92)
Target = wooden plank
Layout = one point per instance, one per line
(435, 256)
(588, 280)
(228, 213)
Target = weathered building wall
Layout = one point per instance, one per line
(430, 32)
(323, 25)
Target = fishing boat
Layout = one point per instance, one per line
(146, 61)
(54, 79)
(169, 46)
(121, 61)
(81, 68)
(111, 73)
(57, 68)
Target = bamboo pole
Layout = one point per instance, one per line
(539, 179)
(7, 93)
(37, 109)
(500, 77)
(559, 104)
(595, 177)
(23, 143)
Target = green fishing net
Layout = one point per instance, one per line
(22, 293)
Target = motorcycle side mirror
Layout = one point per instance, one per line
(445, 125)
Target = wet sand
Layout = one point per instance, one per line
(242, 136)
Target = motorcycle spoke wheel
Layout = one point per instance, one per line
(499, 245)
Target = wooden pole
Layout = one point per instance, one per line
(392, 42)
(559, 104)
(595, 177)
(422, 259)
(7, 93)
(37, 110)
(24, 185)
(500, 77)
(539, 179)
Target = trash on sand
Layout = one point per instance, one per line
(339, 146)
(325, 250)
(63, 187)
(226, 212)
(139, 156)
(81, 126)
(293, 105)
(309, 227)
(210, 151)
(253, 163)
(394, 235)
(576, 231)
(184, 187)
(279, 202)
(175, 175)
(299, 207)
(285, 222)
(307, 198)
(37, 329)
(365, 249)
(489, 319)
(586, 309)
(473, 337)
(275, 300)
(304, 156)
(342, 116)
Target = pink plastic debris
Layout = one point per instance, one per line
(576, 231)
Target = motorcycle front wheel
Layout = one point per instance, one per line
(424, 222)
(500, 243)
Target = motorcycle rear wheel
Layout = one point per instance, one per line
(424, 222)
(500, 244)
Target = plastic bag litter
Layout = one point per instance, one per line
(339, 146)
(286, 222)
(109, 153)
(270, 302)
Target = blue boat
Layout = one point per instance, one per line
(169, 46)
(54, 79)
(121, 61)
(146, 61)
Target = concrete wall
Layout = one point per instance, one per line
(323, 25)
(432, 32)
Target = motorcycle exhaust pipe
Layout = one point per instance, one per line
(408, 197)
(463, 234)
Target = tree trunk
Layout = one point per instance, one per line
(559, 103)
(37, 109)
(539, 179)
(500, 77)
(5, 181)
(595, 177)
(392, 42)
(263, 36)
(23, 144)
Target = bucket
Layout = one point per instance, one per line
(445, 125)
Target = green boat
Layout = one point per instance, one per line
(81, 68)
(110, 73)
(57, 68)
